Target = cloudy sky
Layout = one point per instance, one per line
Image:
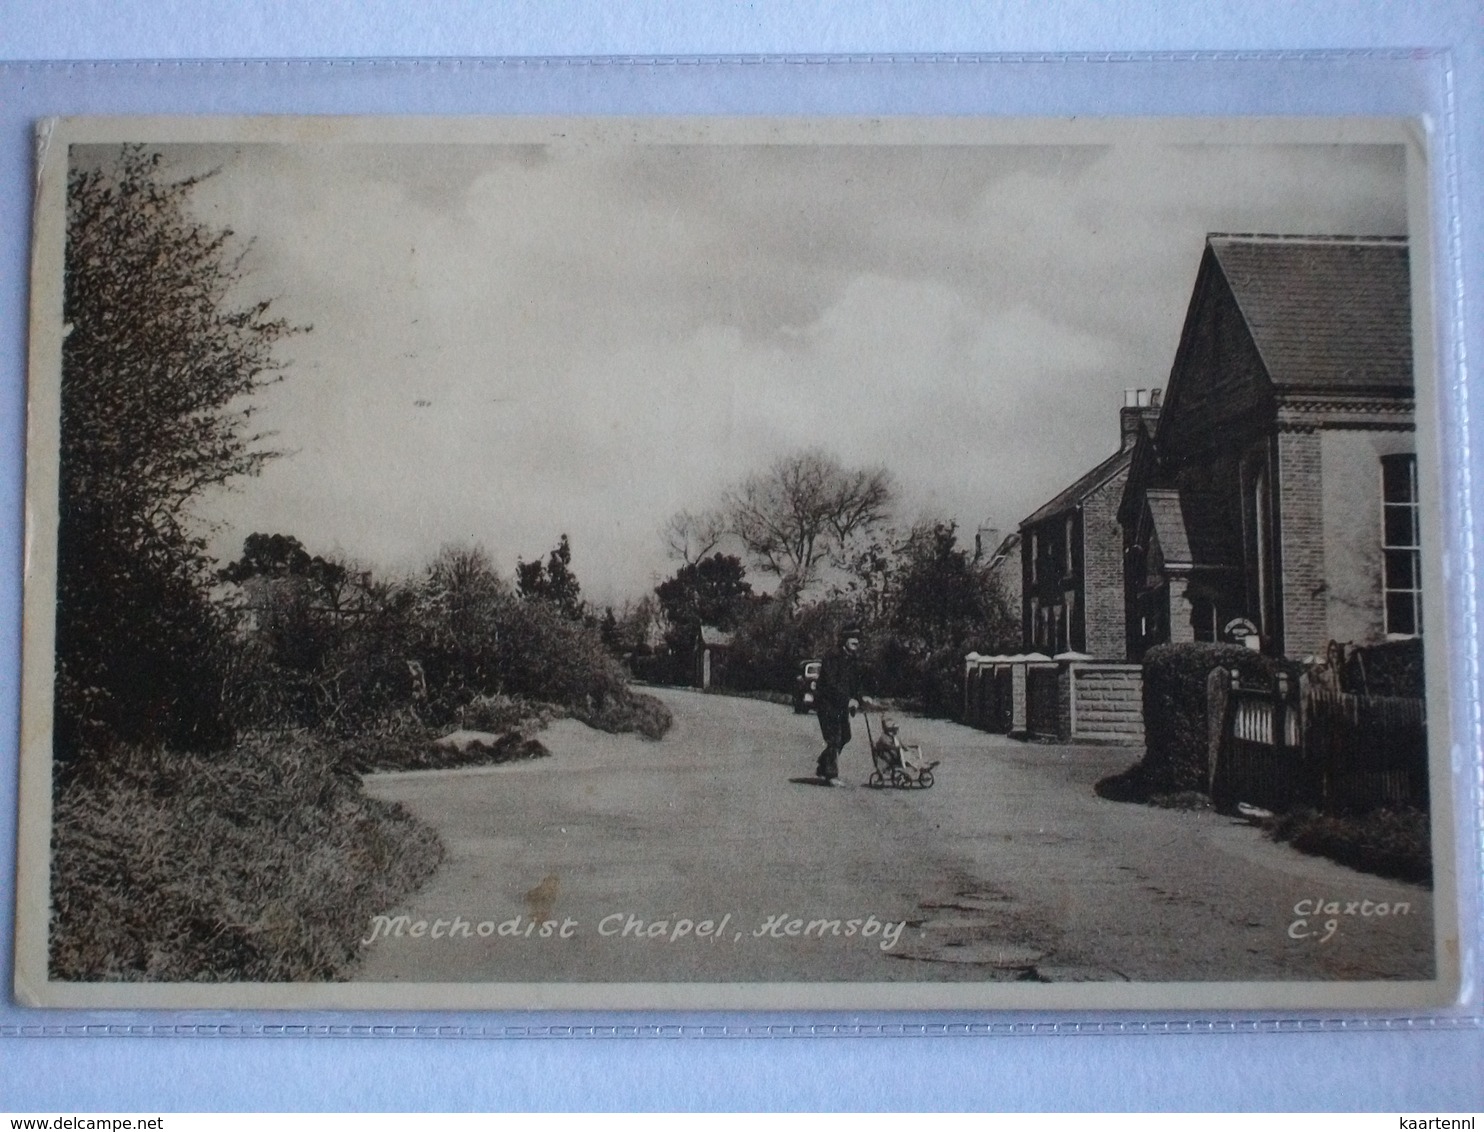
(512, 342)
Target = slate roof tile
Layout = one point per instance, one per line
(1325, 312)
(1084, 486)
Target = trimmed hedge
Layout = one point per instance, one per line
(1388, 843)
(1393, 668)
(1176, 733)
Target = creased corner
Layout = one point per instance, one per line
(44, 130)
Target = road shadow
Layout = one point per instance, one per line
(811, 780)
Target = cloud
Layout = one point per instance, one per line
(513, 342)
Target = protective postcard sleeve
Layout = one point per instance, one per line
(418, 614)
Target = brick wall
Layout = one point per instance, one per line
(1300, 504)
(1102, 564)
(1110, 701)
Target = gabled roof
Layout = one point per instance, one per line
(1188, 528)
(1085, 485)
(1325, 312)
(1005, 546)
(1169, 524)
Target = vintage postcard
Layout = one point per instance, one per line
(678, 563)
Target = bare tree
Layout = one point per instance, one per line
(804, 511)
(691, 536)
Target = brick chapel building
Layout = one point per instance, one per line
(1277, 493)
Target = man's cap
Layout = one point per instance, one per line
(850, 630)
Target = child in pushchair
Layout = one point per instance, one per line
(896, 763)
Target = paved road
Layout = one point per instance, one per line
(1010, 868)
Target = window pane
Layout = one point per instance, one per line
(1399, 478)
(1400, 571)
(1400, 614)
(1401, 526)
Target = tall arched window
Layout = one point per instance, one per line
(1262, 526)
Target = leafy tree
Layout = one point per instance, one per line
(713, 591)
(870, 574)
(608, 629)
(158, 363)
(775, 635)
(460, 604)
(553, 582)
(641, 626)
(293, 597)
(805, 510)
(268, 556)
(942, 604)
(942, 596)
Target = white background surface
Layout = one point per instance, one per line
(1407, 1071)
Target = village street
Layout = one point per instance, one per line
(1009, 868)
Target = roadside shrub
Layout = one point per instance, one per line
(502, 713)
(941, 683)
(1176, 730)
(264, 863)
(546, 656)
(1388, 843)
(407, 752)
(773, 638)
(660, 668)
(1393, 668)
(631, 711)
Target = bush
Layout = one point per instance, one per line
(1388, 843)
(501, 713)
(1390, 669)
(632, 711)
(264, 863)
(545, 656)
(1176, 731)
(773, 638)
(660, 668)
(422, 752)
(513, 722)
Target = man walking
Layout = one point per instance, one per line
(839, 686)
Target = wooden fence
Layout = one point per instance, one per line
(989, 698)
(1366, 751)
(1285, 745)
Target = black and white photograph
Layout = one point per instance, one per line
(823, 564)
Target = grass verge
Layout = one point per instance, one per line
(511, 724)
(1388, 843)
(262, 864)
(633, 711)
(421, 750)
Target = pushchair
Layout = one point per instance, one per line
(894, 763)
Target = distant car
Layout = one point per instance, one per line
(806, 683)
